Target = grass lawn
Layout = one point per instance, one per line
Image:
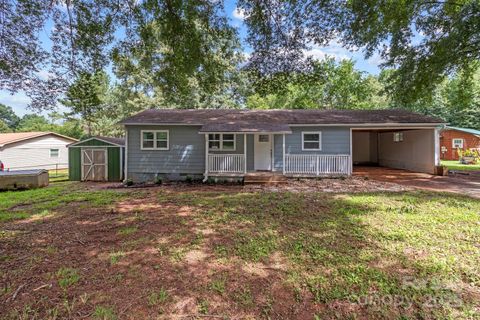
(455, 165)
(73, 250)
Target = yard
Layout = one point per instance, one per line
(182, 251)
(456, 165)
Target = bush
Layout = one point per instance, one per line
(158, 180)
(468, 153)
(128, 182)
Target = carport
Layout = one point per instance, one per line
(414, 148)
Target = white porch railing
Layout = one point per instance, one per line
(305, 164)
(226, 163)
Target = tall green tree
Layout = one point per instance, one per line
(8, 117)
(86, 96)
(327, 85)
(183, 52)
(425, 41)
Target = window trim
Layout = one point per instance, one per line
(155, 140)
(221, 142)
(453, 143)
(319, 140)
(58, 153)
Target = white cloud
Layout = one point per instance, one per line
(333, 49)
(239, 14)
(17, 101)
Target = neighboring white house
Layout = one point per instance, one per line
(34, 150)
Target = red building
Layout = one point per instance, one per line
(453, 138)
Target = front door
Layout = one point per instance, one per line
(263, 152)
(94, 164)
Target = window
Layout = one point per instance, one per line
(54, 153)
(398, 136)
(457, 143)
(263, 138)
(311, 141)
(155, 140)
(221, 141)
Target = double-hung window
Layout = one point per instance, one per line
(311, 141)
(54, 153)
(155, 140)
(221, 141)
(397, 136)
(457, 143)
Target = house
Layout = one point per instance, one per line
(454, 138)
(175, 143)
(96, 159)
(34, 150)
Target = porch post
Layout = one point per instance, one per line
(206, 158)
(245, 153)
(283, 154)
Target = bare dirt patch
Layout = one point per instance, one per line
(220, 251)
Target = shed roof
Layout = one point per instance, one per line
(231, 120)
(8, 138)
(467, 130)
(110, 140)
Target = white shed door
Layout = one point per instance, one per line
(263, 152)
(94, 164)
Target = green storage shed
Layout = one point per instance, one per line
(96, 159)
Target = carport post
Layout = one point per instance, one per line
(436, 144)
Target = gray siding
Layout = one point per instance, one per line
(335, 140)
(186, 154)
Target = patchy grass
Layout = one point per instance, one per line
(234, 254)
(104, 313)
(67, 277)
(17, 205)
(59, 175)
(456, 165)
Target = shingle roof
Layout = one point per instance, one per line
(8, 138)
(119, 141)
(468, 130)
(234, 119)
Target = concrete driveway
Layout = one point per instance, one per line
(468, 185)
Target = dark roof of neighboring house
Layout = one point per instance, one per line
(8, 138)
(467, 130)
(215, 120)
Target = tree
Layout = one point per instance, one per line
(86, 96)
(424, 40)
(182, 52)
(33, 122)
(4, 128)
(328, 85)
(8, 117)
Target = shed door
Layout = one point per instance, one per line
(94, 164)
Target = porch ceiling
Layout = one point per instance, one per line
(246, 127)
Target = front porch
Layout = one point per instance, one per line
(269, 154)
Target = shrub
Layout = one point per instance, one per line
(128, 182)
(158, 180)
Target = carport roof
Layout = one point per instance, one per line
(238, 120)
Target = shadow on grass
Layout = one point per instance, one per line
(261, 255)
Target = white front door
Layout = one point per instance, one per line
(263, 152)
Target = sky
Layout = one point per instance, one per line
(19, 101)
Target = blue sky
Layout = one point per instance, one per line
(19, 101)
